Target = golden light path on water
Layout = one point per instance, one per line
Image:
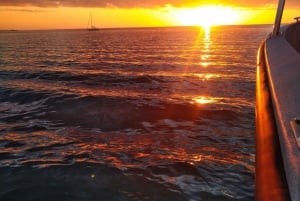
(206, 48)
(202, 44)
(161, 105)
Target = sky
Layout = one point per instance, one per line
(64, 14)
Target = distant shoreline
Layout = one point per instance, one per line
(116, 28)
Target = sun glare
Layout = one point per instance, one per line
(207, 16)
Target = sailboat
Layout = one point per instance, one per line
(277, 168)
(91, 27)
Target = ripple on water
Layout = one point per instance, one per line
(128, 114)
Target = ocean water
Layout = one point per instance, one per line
(160, 114)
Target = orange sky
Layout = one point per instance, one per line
(43, 14)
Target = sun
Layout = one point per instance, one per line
(206, 16)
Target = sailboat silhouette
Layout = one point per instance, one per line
(91, 27)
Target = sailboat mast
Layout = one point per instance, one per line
(278, 17)
(91, 16)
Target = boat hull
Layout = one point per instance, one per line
(270, 178)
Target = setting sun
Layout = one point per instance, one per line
(207, 16)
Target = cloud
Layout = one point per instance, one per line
(135, 3)
(85, 3)
(29, 10)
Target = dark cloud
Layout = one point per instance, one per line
(89, 3)
(29, 10)
(135, 3)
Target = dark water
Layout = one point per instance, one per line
(128, 114)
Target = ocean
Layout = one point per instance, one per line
(131, 114)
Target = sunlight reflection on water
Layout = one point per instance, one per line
(129, 114)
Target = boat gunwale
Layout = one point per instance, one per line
(285, 93)
(270, 181)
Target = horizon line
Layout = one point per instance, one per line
(130, 27)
